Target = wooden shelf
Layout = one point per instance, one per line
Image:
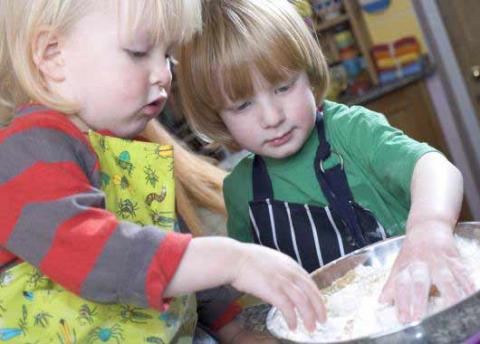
(331, 23)
(362, 35)
(353, 17)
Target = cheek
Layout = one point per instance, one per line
(239, 129)
(125, 77)
(305, 107)
(131, 85)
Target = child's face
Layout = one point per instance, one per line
(119, 83)
(277, 120)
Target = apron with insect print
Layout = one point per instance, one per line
(137, 178)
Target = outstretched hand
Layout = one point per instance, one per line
(280, 281)
(427, 258)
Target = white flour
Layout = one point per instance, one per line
(353, 308)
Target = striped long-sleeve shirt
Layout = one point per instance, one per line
(52, 215)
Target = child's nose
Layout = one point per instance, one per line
(272, 115)
(161, 74)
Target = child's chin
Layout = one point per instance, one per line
(282, 154)
(131, 133)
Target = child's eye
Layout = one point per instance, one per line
(137, 54)
(282, 89)
(242, 106)
(285, 87)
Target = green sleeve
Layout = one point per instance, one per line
(237, 193)
(384, 152)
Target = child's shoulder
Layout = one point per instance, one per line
(40, 117)
(45, 124)
(342, 118)
(336, 112)
(242, 170)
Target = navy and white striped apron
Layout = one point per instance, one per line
(310, 234)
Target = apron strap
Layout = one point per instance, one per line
(262, 185)
(323, 150)
(332, 181)
(335, 186)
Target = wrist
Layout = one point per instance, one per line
(234, 257)
(427, 215)
(427, 230)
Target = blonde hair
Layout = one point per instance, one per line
(239, 36)
(21, 80)
(198, 182)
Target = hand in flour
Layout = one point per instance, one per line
(257, 270)
(280, 281)
(428, 258)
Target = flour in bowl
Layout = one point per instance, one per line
(353, 308)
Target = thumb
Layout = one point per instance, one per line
(388, 291)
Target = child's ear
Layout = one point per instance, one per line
(47, 55)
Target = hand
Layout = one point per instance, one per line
(280, 281)
(428, 257)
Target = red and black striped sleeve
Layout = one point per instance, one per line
(52, 215)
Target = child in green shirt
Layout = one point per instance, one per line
(323, 179)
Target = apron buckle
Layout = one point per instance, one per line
(339, 158)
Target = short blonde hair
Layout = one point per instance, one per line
(239, 36)
(20, 79)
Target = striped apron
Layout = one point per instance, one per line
(310, 234)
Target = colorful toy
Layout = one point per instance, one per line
(397, 59)
(373, 6)
(327, 9)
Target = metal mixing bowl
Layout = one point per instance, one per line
(452, 325)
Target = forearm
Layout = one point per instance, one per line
(207, 263)
(436, 193)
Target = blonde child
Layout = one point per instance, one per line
(323, 178)
(90, 211)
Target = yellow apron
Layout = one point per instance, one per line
(137, 178)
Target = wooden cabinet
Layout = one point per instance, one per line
(410, 109)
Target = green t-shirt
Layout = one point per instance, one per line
(378, 161)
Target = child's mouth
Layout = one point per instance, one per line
(278, 141)
(153, 109)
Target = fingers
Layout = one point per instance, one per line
(303, 306)
(388, 291)
(461, 275)
(286, 306)
(304, 294)
(403, 295)
(412, 286)
(421, 283)
(316, 299)
(408, 288)
(280, 281)
(305, 297)
(447, 285)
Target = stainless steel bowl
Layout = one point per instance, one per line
(452, 325)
